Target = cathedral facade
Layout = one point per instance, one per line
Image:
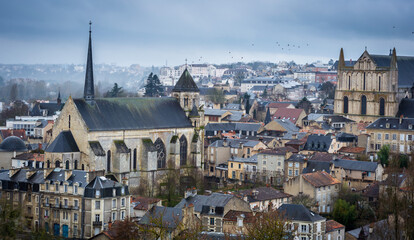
(135, 140)
(372, 86)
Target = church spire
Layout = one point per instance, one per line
(268, 118)
(89, 91)
(59, 100)
(341, 63)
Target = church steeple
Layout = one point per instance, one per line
(59, 100)
(268, 118)
(89, 90)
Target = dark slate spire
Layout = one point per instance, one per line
(186, 83)
(59, 100)
(268, 119)
(89, 91)
(194, 112)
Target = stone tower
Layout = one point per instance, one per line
(188, 94)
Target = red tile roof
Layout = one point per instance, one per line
(20, 133)
(352, 150)
(143, 203)
(278, 105)
(322, 157)
(320, 179)
(291, 114)
(333, 225)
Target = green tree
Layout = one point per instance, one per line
(269, 225)
(384, 154)
(305, 104)
(239, 77)
(153, 88)
(344, 213)
(116, 91)
(305, 200)
(329, 89)
(10, 220)
(216, 96)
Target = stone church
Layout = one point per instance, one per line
(134, 140)
(373, 86)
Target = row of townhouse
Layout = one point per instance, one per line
(66, 203)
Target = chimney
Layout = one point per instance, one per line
(188, 193)
(225, 144)
(39, 146)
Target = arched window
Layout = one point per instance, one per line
(364, 83)
(159, 145)
(48, 164)
(134, 160)
(382, 107)
(75, 164)
(186, 102)
(379, 84)
(183, 150)
(345, 104)
(363, 105)
(349, 82)
(67, 164)
(108, 161)
(57, 163)
(69, 121)
(83, 166)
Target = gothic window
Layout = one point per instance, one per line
(108, 161)
(379, 84)
(75, 164)
(186, 102)
(83, 166)
(183, 150)
(134, 160)
(67, 164)
(345, 104)
(69, 121)
(364, 83)
(349, 82)
(382, 107)
(159, 145)
(57, 163)
(363, 105)
(48, 164)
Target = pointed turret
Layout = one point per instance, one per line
(194, 111)
(59, 100)
(89, 91)
(268, 118)
(186, 83)
(341, 63)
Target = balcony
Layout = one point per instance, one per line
(97, 223)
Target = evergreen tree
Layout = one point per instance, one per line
(115, 91)
(153, 88)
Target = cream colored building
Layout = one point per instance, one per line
(372, 86)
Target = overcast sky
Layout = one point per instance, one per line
(156, 32)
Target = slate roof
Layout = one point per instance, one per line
(214, 200)
(405, 67)
(314, 166)
(97, 148)
(105, 186)
(214, 112)
(232, 127)
(318, 143)
(194, 112)
(132, 114)
(232, 106)
(64, 142)
(355, 165)
(394, 123)
(143, 203)
(235, 143)
(170, 216)
(322, 156)
(297, 212)
(279, 151)
(346, 137)
(185, 83)
(406, 108)
(121, 147)
(371, 190)
(297, 158)
(263, 194)
(12, 144)
(252, 159)
(320, 179)
(338, 119)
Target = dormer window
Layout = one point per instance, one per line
(410, 126)
(66, 188)
(212, 210)
(98, 193)
(47, 186)
(75, 189)
(387, 125)
(57, 187)
(123, 190)
(114, 192)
